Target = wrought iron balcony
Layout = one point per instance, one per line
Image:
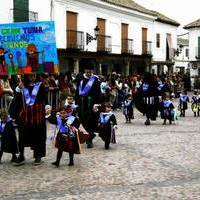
(75, 39)
(127, 46)
(147, 47)
(104, 43)
(19, 15)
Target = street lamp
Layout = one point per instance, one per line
(179, 50)
(89, 37)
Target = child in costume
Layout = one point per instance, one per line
(107, 125)
(67, 137)
(196, 104)
(167, 109)
(128, 108)
(71, 102)
(183, 103)
(8, 140)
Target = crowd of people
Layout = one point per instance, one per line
(80, 106)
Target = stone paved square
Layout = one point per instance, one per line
(147, 163)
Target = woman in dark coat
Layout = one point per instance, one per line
(8, 140)
(147, 100)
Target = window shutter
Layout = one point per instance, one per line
(198, 47)
(21, 10)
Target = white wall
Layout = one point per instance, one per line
(181, 60)
(193, 45)
(87, 21)
(42, 7)
(159, 54)
(5, 12)
(193, 42)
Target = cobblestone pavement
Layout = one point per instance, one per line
(147, 163)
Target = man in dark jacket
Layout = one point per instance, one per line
(88, 93)
(29, 113)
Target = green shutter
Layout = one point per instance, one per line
(198, 47)
(21, 10)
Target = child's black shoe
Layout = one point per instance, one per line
(55, 164)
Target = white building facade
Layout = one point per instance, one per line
(164, 47)
(194, 52)
(126, 40)
(182, 64)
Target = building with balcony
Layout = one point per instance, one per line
(182, 55)
(194, 48)
(125, 41)
(17, 11)
(164, 44)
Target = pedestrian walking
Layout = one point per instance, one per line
(147, 100)
(195, 103)
(29, 112)
(183, 103)
(128, 108)
(107, 125)
(67, 137)
(88, 93)
(167, 109)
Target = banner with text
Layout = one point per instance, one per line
(28, 47)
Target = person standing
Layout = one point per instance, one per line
(67, 136)
(183, 103)
(196, 104)
(128, 108)
(107, 125)
(166, 109)
(88, 93)
(8, 140)
(147, 100)
(29, 113)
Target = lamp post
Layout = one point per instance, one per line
(90, 38)
(179, 50)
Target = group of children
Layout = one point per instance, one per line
(67, 122)
(166, 107)
(68, 137)
(195, 103)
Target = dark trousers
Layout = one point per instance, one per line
(59, 156)
(182, 113)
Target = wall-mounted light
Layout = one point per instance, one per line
(179, 50)
(90, 38)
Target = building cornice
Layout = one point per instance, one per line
(112, 7)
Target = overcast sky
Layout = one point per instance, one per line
(183, 11)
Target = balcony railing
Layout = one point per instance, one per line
(75, 39)
(104, 43)
(19, 15)
(197, 53)
(147, 47)
(127, 46)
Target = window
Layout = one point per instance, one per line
(187, 52)
(158, 40)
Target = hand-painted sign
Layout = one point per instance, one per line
(27, 45)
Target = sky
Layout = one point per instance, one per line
(183, 11)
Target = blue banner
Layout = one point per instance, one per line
(28, 45)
